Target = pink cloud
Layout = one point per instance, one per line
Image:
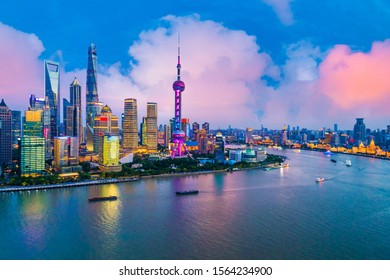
(357, 80)
(21, 70)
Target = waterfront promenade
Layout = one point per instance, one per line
(67, 184)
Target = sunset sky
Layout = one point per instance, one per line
(245, 63)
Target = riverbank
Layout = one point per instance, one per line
(67, 184)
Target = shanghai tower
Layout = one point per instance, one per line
(93, 106)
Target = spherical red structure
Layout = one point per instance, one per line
(178, 134)
(178, 85)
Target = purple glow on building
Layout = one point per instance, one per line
(178, 135)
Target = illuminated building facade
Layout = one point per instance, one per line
(178, 136)
(143, 132)
(5, 134)
(42, 104)
(185, 126)
(33, 125)
(66, 154)
(105, 123)
(206, 126)
(52, 92)
(130, 125)
(32, 155)
(151, 127)
(109, 153)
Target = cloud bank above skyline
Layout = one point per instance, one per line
(229, 79)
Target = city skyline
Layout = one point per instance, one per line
(306, 79)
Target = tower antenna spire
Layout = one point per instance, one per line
(178, 57)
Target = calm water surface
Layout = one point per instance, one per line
(256, 214)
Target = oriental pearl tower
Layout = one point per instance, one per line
(178, 135)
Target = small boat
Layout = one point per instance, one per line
(328, 153)
(102, 198)
(187, 192)
(348, 162)
(285, 165)
(333, 160)
(319, 180)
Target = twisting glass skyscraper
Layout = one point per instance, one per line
(93, 106)
(52, 92)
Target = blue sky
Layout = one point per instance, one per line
(66, 28)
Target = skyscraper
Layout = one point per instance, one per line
(359, 131)
(109, 153)
(143, 131)
(32, 155)
(5, 134)
(42, 104)
(93, 106)
(52, 92)
(66, 154)
(219, 150)
(16, 126)
(130, 124)
(178, 135)
(72, 112)
(151, 126)
(105, 123)
(206, 126)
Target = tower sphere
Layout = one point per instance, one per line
(178, 85)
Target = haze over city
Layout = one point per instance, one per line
(264, 62)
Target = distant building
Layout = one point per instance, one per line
(359, 132)
(206, 126)
(219, 150)
(151, 127)
(249, 135)
(195, 130)
(185, 126)
(143, 131)
(109, 153)
(66, 154)
(16, 127)
(32, 155)
(130, 125)
(5, 135)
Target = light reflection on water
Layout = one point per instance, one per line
(254, 214)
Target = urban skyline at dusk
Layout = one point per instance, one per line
(237, 69)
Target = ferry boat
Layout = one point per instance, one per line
(333, 160)
(187, 192)
(102, 198)
(319, 180)
(348, 162)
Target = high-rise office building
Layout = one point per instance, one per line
(248, 135)
(32, 155)
(52, 92)
(195, 130)
(206, 126)
(105, 123)
(130, 125)
(16, 126)
(359, 131)
(41, 104)
(185, 126)
(5, 134)
(33, 125)
(143, 132)
(66, 154)
(93, 106)
(219, 150)
(151, 126)
(72, 112)
(335, 127)
(109, 153)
